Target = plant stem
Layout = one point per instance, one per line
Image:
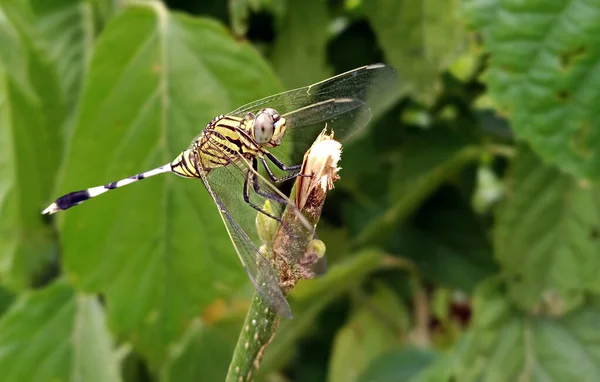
(290, 253)
(258, 331)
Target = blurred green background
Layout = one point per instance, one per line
(463, 237)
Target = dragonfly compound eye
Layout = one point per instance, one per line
(264, 125)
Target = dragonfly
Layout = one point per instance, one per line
(241, 156)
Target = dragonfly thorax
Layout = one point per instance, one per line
(267, 127)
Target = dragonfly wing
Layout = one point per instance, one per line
(342, 102)
(360, 84)
(259, 269)
(343, 116)
(226, 186)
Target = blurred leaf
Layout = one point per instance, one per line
(426, 161)
(44, 48)
(547, 235)
(13, 53)
(205, 352)
(449, 243)
(55, 334)
(158, 251)
(401, 365)
(309, 299)
(336, 240)
(543, 75)
(57, 36)
(372, 330)
(467, 64)
(103, 11)
(489, 189)
(420, 39)
(26, 243)
(506, 346)
(299, 53)
(6, 298)
(368, 203)
(458, 257)
(239, 12)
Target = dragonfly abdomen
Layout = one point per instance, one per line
(185, 164)
(75, 198)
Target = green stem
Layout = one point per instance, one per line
(257, 332)
(290, 245)
(261, 321)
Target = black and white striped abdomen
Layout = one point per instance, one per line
(77, 197)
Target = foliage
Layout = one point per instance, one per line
(462, 239)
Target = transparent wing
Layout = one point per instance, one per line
(226, 186)
(342, 102)
(360, 84)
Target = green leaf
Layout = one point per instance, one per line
(367, 335)
(13, 54)
(426, 161)
(398, 365)
(420, 39)
(44, 47)
(103, 11)
(506, 346)
(6, 298)
(239, 12)
(57, 36)
(547, 235)
(157, 250)
(543, 75)
(26, 243)
(55, 334)
(299, 53)
(450, 248)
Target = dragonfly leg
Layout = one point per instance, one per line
(257, 188)
(293, 170)
(280, 164)
(266, 195)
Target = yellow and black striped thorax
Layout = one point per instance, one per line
(223, 140)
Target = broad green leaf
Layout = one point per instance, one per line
(13, 53)
(547, 234)
(377, 327)
(26, 243)
(398, 365)
(299, 53)
(506, 346)
(57, 37)
(56, 334)
(103, 11)
(543, 75)
(44, 48)
(420, 39)
(158, 249)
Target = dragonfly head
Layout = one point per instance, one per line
(268, 128)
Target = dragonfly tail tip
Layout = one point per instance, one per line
(51, 209)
